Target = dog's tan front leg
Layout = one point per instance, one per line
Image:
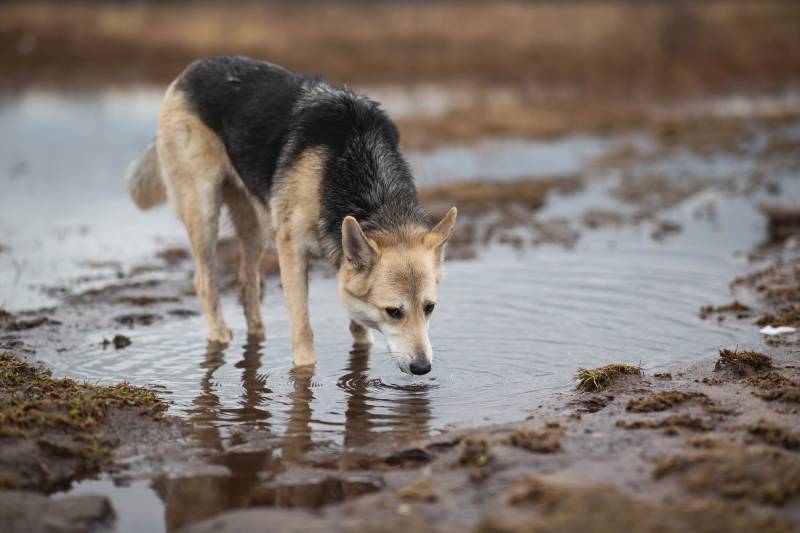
(361, 335)
(294, 276)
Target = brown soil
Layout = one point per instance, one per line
(669, 423)
(475, 450)
(547, 440)
(765, 476)
(774, 435)
(784, 316)
(421, 490)
(781, 394)
(663, 400)
(555, 507)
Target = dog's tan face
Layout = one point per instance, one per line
(388, 283)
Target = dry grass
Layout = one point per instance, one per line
(599, 47)
(597, 379)
(742, 363)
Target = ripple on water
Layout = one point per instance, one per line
(511, 328)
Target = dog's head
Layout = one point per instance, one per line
(388, 282)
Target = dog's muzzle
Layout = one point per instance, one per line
(420, 366)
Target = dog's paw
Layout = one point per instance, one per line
(221, 336)
(304, 356)
(258, 332)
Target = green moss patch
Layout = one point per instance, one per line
(44, 419)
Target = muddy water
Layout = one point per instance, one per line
(511, 327)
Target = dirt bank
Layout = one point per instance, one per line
(54, 432)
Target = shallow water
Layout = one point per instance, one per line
(64, 208)
(510, 329)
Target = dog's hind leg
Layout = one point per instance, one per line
(252, 239)
(194, 163)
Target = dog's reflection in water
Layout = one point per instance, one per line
(242, 464)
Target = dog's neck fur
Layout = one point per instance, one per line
(378, 191)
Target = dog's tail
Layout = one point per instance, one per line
(144, 181)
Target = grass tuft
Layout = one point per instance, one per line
(742, 363)
(597, 379)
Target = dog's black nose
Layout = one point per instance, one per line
(420, 368)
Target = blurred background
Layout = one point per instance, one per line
(535, 67)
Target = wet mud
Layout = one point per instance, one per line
(53, 431)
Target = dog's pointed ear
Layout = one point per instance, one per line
(358, 250)
(442, 231)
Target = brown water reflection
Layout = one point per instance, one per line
(255, 459)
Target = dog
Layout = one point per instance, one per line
(320, 166)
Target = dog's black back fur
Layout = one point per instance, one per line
(267, 117)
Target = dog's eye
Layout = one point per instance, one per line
(394, 312)
(428, 309)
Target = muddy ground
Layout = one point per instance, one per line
(706, 447)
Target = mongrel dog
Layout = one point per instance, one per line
(320, 165)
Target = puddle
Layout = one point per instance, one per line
(511, 327)
(66, 219)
